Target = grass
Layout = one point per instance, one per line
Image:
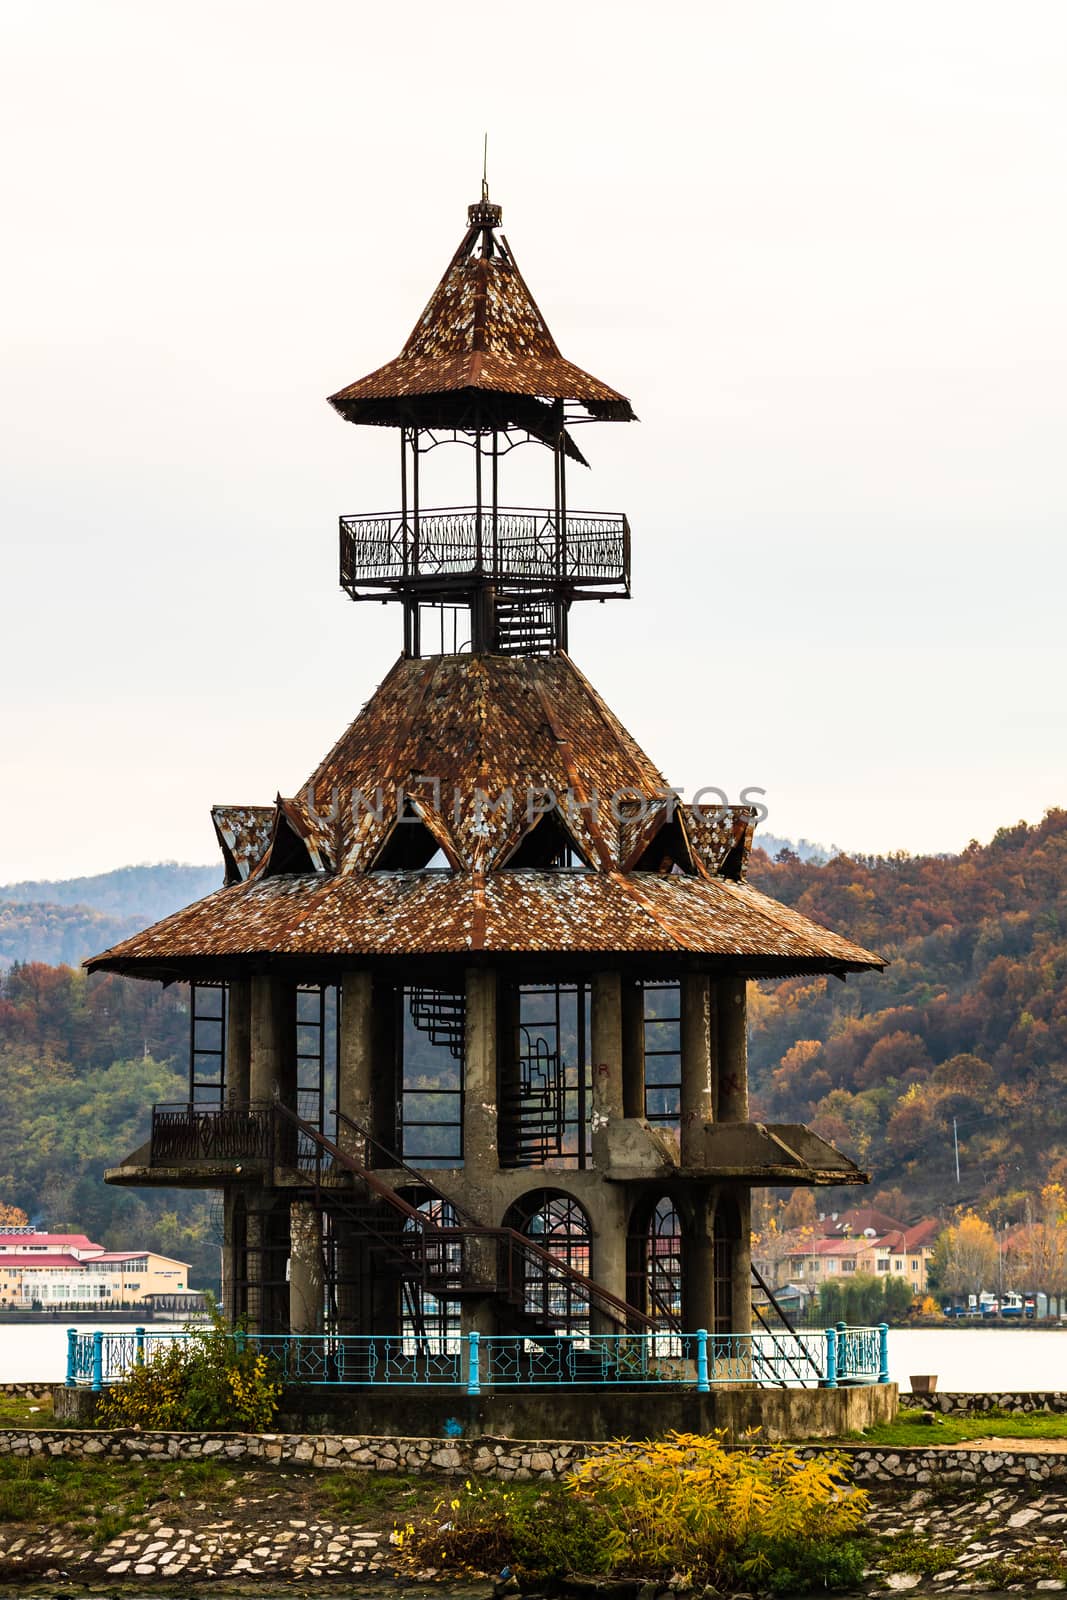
(914, 1428)
(99, 1499)
(20, 1411)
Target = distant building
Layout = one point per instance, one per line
(63, 1269)
(811, 1258)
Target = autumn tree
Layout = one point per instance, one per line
(965, 1258)
(13, 1217)
(799, 1210)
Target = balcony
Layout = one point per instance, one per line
(185, 1134)
(572, 554)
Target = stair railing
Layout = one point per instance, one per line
(513, 1249)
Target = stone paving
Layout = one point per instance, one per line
(1002, 1536)
(1011, 1538)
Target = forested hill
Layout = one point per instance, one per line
(969, 1022)
(68, 919)
(81, 1062)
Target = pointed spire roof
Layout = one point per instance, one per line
(481, 339)
(467, 756)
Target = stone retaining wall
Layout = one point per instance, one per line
(518, 1459)
(1018, 1401)
(28, 1391)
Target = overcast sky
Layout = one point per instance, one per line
(822, 246)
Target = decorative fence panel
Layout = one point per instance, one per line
(479, 1363)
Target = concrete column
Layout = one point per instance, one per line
(272, 1070)
(306, 1293)
(355, 1059)
(633, 1048)
(228, 1265)
(606, 1029)
(479, 1072)
(732, 1034)
(238, 1041)
(608, 1265)
(698, 1269)
(697, 1105)
(741, 1286)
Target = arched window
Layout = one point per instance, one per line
(433, 1321)
(560, 1226)
(663, 1267)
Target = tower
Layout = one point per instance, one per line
(469, 1012)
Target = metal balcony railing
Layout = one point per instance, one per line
(515, 546)
(192, 1132)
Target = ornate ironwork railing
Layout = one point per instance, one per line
(690, 1361)
(191, 1132)
(520, 545)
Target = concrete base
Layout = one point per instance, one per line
(590, 1414)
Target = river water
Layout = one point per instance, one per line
(961, 1358)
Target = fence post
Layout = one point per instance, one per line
(98, 1362)
(883, 1352)
(842, 1351)
(703, 1386)
(72, 1357)
(473, 1374)
(831, 1359)
(138, 1336)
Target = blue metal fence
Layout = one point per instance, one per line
(476, 1363)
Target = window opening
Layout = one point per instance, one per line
(664, 1264)
(431, 1325)
(727, 1233)
(561, 1227)
(545, 1105)
(409, 846)
(548, 845)
(207, 1043)
(430, 1033)
(663, 1053)
(316, 1052)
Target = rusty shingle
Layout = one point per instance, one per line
(482, 332)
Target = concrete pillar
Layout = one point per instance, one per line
(306, 1275)
(479, 1072)
(272, 1069)
(741, 1286)
(238, 1041)
(606, 1029)
(697, 1100)
(698, 1269)
(355, 1060)
(633, 1048)
(608, 1264)
(732, 1038)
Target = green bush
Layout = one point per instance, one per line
(210, 1379)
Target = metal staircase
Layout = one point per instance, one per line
(441, 1016)
(525, 624)
(786, 1343)
(528, 1284)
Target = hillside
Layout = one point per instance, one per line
(81, 1062)
(969, 1022)
(67, 919)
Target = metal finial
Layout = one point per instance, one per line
(485, 214)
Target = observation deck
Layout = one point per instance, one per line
(574, 555)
